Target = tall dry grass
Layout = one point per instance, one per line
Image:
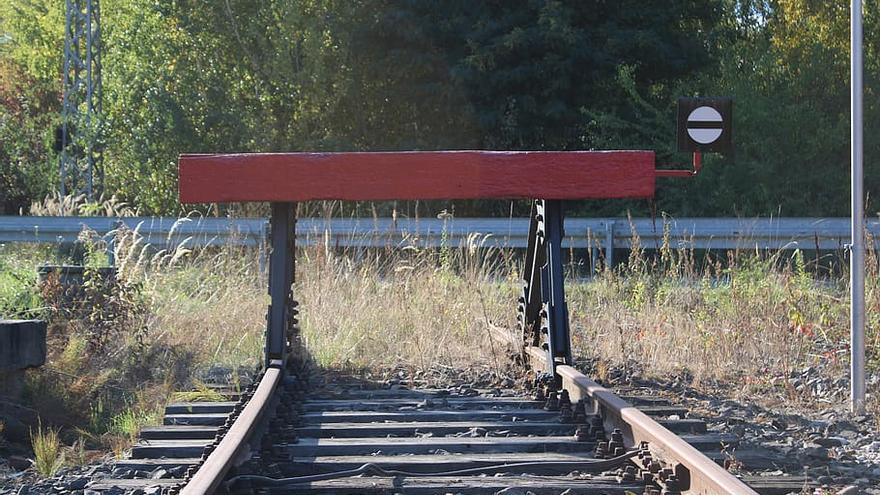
(752, 318)
(412, 307)
(48, 451)
(749, 320)
(211, 303)
(76, 205)
(759, 324)
(360, 307)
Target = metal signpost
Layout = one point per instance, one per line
(857, 259)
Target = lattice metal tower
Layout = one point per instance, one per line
(80, 132)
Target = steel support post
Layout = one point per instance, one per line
(281, 267)
(609, 245)
(543, 315)
(857, 256)
(553, 286)
(80, 138)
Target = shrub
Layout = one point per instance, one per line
(19, 297)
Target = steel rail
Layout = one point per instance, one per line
(211, 472)
(697, 473)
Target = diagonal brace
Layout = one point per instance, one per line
(543, 313)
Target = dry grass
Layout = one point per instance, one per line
(212, 304)
(746, 316)
(76, 205)
(417, 308)
(207, 305)
(360, 308)
(113, 361)
(749, 319)
(711, 328)
(48, 452)
(202, 393)
(747, 322)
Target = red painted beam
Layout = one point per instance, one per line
(416, 175)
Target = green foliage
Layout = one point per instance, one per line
(786, 65)
(102, 310)
(540, 74)
(532, 71)
(27, 116)
(212, 76)
(29, 88)
(330, 75)
(19, 297)
(36, 36)
(129, 422)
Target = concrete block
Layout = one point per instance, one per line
(22, 344)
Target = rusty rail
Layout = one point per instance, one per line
(210, 474)
(697, 473)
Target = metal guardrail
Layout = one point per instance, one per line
(604, 234)
(155, 230)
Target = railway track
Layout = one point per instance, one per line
(344, 435)
(564, 435)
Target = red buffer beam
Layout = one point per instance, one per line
(365, 176)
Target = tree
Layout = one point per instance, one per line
(29, 101)
(199, 76)
(786, 63)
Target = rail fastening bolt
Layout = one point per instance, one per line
(582, 434)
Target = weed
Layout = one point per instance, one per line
(75, 455)
(202, 393)
(731, 463)
(48, 454)
(77, 205)
(129, 422)
(412, 306)
(19, 297)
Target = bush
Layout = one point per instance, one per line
(19, 297)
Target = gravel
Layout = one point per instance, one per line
(818, 438)
(822, 440)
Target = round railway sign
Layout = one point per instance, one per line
(704, 124)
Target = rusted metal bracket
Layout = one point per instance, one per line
(697, 166)
(543, 314)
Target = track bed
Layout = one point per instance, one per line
(346, 436)
(461, 440)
